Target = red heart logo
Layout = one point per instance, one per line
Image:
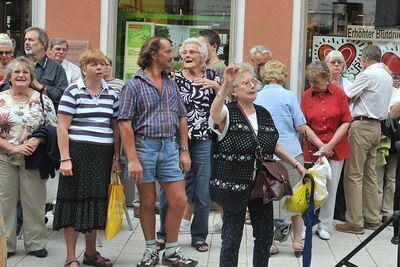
(348, 50)
(392, 61)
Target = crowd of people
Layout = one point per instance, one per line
(190, 132)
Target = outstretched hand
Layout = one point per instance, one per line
(230, 74)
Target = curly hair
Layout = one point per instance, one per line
(273, 71)
(151, 46)
(22, 61)
(317, 69)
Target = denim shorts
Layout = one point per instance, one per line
(159, 158)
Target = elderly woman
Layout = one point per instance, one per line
(337, 65)
(289, 120)
(88, 137)
(326, 109)
(7, 46)
(197, 87)
(234, 160)
(21, 113)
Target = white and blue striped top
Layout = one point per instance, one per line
(91, 117)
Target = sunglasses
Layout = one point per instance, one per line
(5, 53)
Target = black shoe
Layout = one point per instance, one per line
(395, 240)
(9, 254)
(41, 253)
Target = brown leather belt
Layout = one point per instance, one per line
(364, 118)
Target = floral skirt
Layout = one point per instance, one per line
(82, 198)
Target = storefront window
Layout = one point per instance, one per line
(15, 17)
(176, 19)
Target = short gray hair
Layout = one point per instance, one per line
(335, 55)
(23, 61)
(43, 37)
(372, 53)
(6, 40)
(260, 49)
(202, 47)
(242, 68)
(58, 41)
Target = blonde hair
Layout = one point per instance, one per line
(91, 56)
(317, 69)
(22, 61)
(273, 71)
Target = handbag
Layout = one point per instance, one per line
(272, 178)
(115, 210)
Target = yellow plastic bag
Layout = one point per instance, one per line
(298, 202)
(115, 209)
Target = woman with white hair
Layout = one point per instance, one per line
(197, 86)
(7, 46)
(337, 65)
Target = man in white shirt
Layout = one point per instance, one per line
(58, 52)
(369, 97)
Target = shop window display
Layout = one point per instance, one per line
(348, 26)
(176, 19)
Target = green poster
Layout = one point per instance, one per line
(136, 34)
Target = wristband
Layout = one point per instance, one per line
(66, 159)
(295, 165)
(183, 148)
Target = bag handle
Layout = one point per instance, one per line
(43, 110)
(116, 180)
(258, 149)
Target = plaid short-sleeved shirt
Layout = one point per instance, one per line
(152, 114)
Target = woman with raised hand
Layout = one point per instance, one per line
(234, 161)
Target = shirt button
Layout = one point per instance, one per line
(324, 127)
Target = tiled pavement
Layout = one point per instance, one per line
(127, 247)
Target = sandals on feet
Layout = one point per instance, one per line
(68, 262)
(96, 260)
(298, 249)
(201, 246)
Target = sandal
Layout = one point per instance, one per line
(201, 246)
(274, 249)
(96, 260)
(160, 244)
(297, 249)
(68, 262)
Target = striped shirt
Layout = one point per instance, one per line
(91, 117)
(152, 114)
(116, 84)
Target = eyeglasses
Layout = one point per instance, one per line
(190, 52)
(333, 62)
(5, 53)
(249, 82)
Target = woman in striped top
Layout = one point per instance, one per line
(88, 137)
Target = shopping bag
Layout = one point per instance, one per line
(298, 202)
(115, 209)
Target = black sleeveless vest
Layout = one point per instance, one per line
(233, 157)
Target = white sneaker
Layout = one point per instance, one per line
(323, 234)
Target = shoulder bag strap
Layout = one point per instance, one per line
(43, 109)
(258, 149)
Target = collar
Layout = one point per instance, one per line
(43, 62)
(328, 90)
(375, 65)
(81, 85)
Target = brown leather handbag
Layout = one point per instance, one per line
(272, 178)
(272, 181)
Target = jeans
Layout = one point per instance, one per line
(200, 154)
(261, 217)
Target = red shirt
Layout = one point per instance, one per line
(325, 112)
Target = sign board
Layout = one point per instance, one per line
(136, 34)
(369, 33)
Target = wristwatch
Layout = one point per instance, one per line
(183, 149)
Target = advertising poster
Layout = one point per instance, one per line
(136, 34)
(351, 50)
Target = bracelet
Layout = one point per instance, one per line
(295, 165)
(66, 159)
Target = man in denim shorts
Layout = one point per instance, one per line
(152, 117)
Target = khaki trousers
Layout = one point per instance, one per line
(26, 185)
(386, 177)
(360, 182)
